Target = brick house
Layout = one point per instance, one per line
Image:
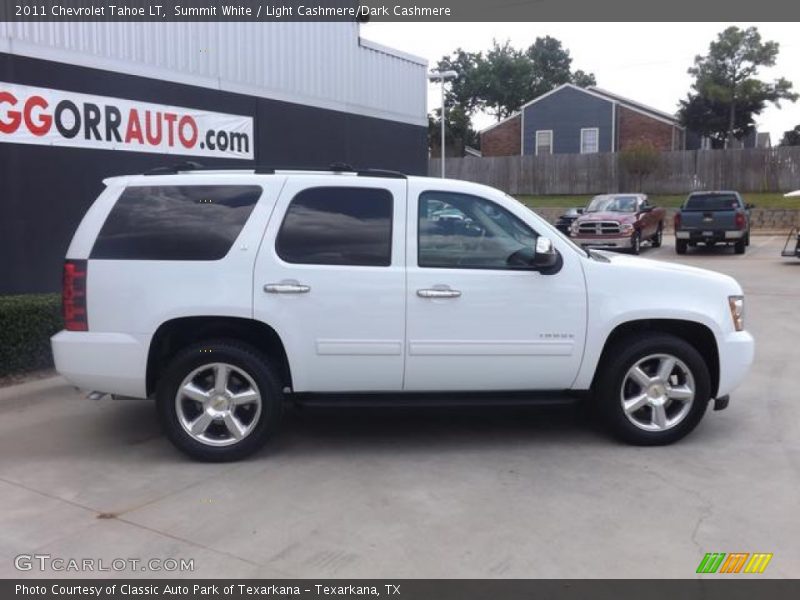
(571, 120)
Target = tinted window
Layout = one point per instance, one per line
(712, 202)
(193, 222)
(338, 226)
(468, 232)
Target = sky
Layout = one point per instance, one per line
(646, 62)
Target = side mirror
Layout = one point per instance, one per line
(749, 206)
(545, 256)
(580, 210)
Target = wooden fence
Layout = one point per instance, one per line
(747, 170)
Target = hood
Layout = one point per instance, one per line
(682, 275)
(607, 216)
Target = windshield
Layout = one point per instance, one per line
(712, 202)
(612, 204)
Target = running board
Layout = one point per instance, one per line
(437, 399)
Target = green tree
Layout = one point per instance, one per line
(499, 81)
(457, 129)
(726, 79)
(710, 118)
(640, 160)
(791, 137)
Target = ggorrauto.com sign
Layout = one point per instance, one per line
(47, 117)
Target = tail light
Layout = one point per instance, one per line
(741, 222)
(73, 296)
(677, 220)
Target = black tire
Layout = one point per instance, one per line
(681, 246)
(739, 247)
(636, 243)
(622, 357)
(747, 239)
(656, 241)
(243, 358)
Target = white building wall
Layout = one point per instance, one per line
(323, 64)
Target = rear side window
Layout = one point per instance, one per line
(191, 222)
(712, 202)
(338, 226)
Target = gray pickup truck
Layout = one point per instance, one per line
(712, 218)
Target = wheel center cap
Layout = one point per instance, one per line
(220, 403)
(656, 392)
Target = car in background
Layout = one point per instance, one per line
(619, 222)
(567, 219)
(711, 218)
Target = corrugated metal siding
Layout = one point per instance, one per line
(317, 63)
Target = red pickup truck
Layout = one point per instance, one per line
(619, 221)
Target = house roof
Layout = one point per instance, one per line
(609, 97)
(500, 122)
(597, 93)
(627, 102)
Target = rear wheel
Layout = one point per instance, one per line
(747, 239)
(681, 246)
(653, 390)
(739, 247)
(219, 401)
(657, 238)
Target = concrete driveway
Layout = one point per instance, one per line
(425, 493)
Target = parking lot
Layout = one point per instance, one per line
(424, 493)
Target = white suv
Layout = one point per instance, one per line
(224, 293)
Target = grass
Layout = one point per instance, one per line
(671, 201)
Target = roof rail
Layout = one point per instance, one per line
(336, 167)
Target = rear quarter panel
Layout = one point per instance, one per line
(136, 296)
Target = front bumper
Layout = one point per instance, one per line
(115, 363)
(736, 353)
(710, 235)
(603, 241)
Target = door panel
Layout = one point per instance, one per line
(342, 322)
(506, 329)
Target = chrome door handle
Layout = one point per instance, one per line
(287, 288)
(438, 293)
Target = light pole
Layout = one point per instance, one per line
(442, 76)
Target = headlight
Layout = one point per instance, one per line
(736, 304)
(573, 228)
(626, 227)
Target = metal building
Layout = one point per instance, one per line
(83, 101)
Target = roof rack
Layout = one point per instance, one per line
(337, 167)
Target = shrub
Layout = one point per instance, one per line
(26, 324)
(640, 160)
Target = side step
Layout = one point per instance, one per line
(436, 399)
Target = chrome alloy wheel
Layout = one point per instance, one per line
(218, 404)
(657, 392)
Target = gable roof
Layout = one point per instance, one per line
(510, 117)
(627, 102)
(609, 97)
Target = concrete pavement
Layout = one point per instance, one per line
(423, 493)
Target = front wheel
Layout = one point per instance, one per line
(653, 390)
(219, 401)
(636, 243)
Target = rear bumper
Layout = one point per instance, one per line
(736, 353)
(603, 242)
(115, 363)
(710, 235)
